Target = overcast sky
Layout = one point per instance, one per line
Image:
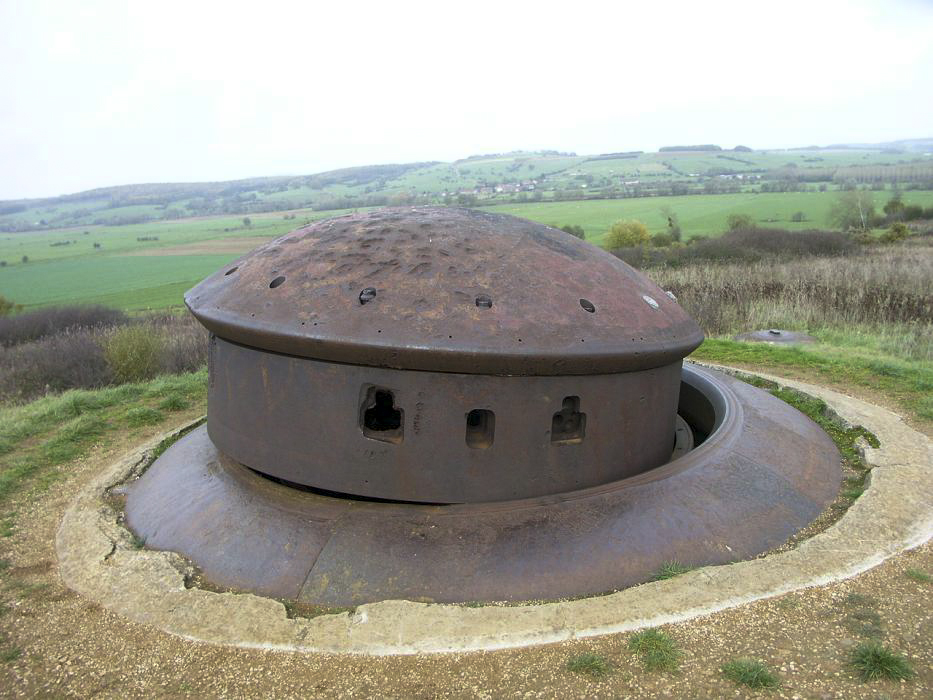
(105, 93)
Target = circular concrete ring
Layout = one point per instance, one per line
(98, 560)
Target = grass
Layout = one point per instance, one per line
(143, 415)
(907, 383)
(40, 436)
(873, 661)
(10, 654)
(656, 650)
(919, 576)
(670, 569)
(698, 214)
(589, 664)
(750, 673)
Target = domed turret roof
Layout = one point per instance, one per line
(443, 289)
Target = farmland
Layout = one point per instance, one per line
(133, 274)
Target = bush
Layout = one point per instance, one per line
(7, 307)
(574, 230)
(70, 360)
(134, 353)
(662, 240)
(627, 233)
(744, 246)
(737, 222)
(897, 232)
(31, 326)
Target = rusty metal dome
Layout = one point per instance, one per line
(445, 290)
(449, 405)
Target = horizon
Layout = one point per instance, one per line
(107, 95)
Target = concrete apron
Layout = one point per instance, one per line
(97, 559)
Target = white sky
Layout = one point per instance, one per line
(100, 93)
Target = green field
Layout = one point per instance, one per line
(698, 214)
(137, 275)
(509, 177)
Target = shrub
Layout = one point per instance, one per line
(34, 325)
(70, 360)
(574, 230)
(897, 232)
(662, 240)
(627, 233)
(737, 222)
(7, 307)
(134, 353)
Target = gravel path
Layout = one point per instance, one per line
(70, 647)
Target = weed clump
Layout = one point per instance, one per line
(670, 569)
(872, 660)
(143, 415)
(751, 673)
(590, 664)
(656, 650)
(918, 575)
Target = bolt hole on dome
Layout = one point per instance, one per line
(367, 295)
(231, 271)
(587, 305)
(484, 301)
(277, 282)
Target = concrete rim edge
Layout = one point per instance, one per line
(97, 559)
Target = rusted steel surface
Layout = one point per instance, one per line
(446, 290)
(304, 421)
(764, 472)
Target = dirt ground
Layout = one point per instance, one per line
(71, 647)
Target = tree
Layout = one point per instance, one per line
(852, 210)
(894, 207)
(740, 222)
(798, 216)
(247, 222)
(673, 223)
(574, 230)
(627, 233)
(25, 258)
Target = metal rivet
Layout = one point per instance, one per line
(484, 301)
(650, 301)
(587, 305)
(367, 295)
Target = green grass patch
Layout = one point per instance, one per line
(910, 385)
(143, 415)
(873, 661)
(38, 437)
(670, 569)
(10, 654)
(750, 673)
(174, 402)
(919, 576)
(589, 664)
(656, 650)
